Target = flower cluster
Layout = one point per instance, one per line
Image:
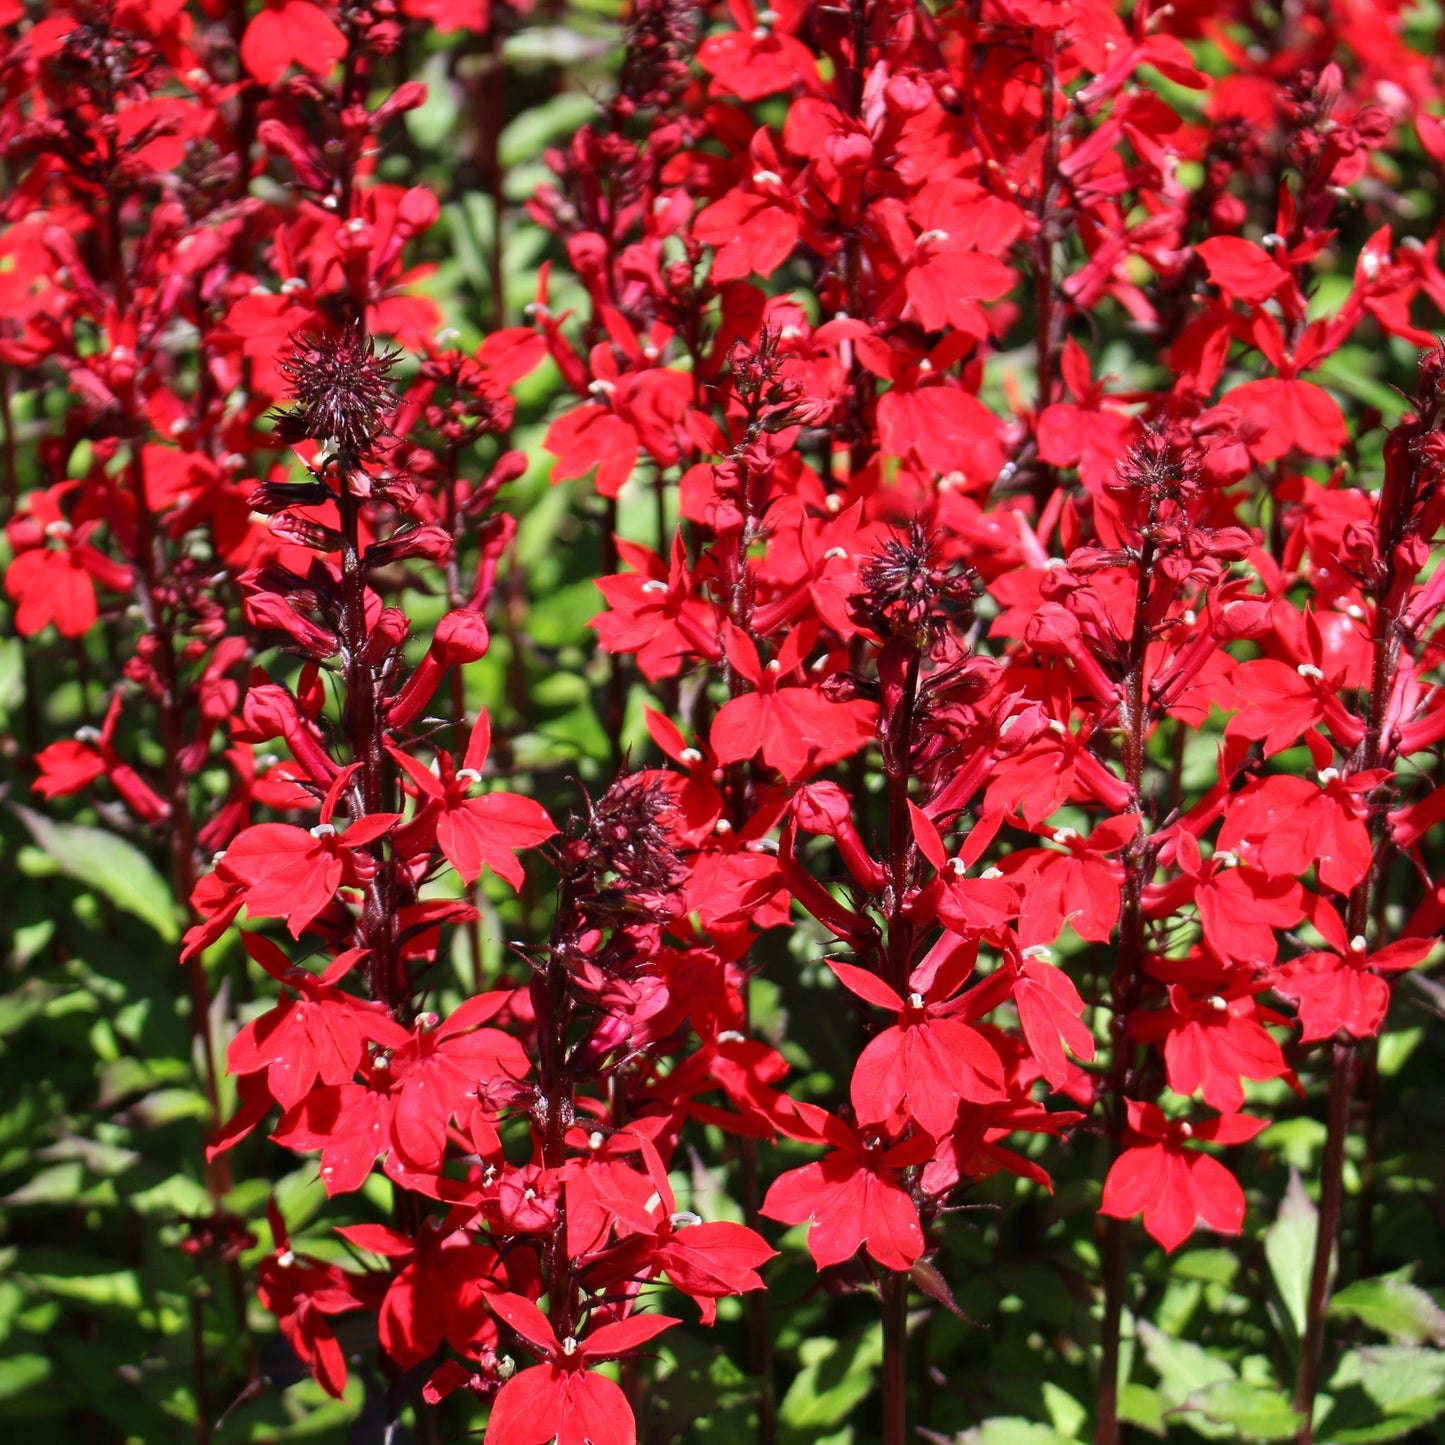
(1080, 735)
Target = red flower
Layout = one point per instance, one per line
(53, 575)
(1175, 1187)
(438, 1073)
(322, 1034)
(287, 33)
(562, 1402)
(1286, 824)
(438, 1293)
(929, 1060)
(1212, 1042)
(293, 873)
(1341, 991)
(653, 613)
(303, 1294)
(472, 833)
(855, 1196)
(797, 729)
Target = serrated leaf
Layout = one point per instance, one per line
(1289, 1246)
(1182, 1366)
(1394, 1307)
(1401, 1379)
(109, 864)
(1254, 1411)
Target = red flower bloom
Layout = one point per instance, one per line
(562, 1402)
(854, 1197)
(1175, 1187)
(287, 33)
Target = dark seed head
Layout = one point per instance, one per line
(341, 392)
(908, 594)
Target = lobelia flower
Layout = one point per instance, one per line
(562, 1400)
(1172, 1184)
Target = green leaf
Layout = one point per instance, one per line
(1013, 1430)
(551, 45)
(1141, 1406)
(837, 1376)
(1210, 1266)
(1289, 1246)
(1394, 1307)
(1255, 1411)
(1395, 1049)
(1402, 1380)
(20, 1373)
(1387, 1393)
(1183, 1367)
(102, 861)
(59, 1184)
(1065, 1412)
(22, 1004)
(430, 123)
(104, 1289)
(12, 676)
(562, 615)
(1297, 1141)
(539, 126)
